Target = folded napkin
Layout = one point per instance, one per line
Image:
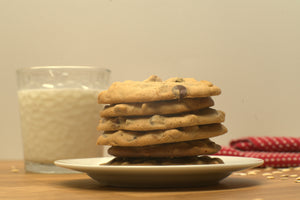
(275, 151)
(271, 144)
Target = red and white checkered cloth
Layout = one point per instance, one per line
(275, 151)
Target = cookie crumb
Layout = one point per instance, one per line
(270, 177)
(268, 169)
(252, 173)
(286, 170)
(13, 169)
(284, 175)
(267, 174)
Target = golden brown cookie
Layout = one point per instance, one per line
(156, 107)
(160, 122)
(193, 160)
(153, 89)
(178, 149)
(134, 138)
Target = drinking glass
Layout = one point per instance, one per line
(59, 114)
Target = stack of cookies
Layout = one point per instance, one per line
(160, 122)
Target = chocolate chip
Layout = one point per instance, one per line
(179, 91)
(179, 80)
(134, 137)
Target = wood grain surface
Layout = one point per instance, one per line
(252, 184)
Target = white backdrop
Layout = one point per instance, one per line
(248, 48)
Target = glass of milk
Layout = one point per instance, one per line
(59, 114)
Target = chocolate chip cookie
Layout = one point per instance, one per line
(190, 160)
(156, 107)
(153, 89)
(178, 149)
(139, 138)
(162, 122)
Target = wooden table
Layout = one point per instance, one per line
(250, 184)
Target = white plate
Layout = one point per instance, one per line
(158, 176)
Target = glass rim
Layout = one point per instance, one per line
(24, 69)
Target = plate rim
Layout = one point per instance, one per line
(159, 176)
(255, 162)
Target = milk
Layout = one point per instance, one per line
(59, 124)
